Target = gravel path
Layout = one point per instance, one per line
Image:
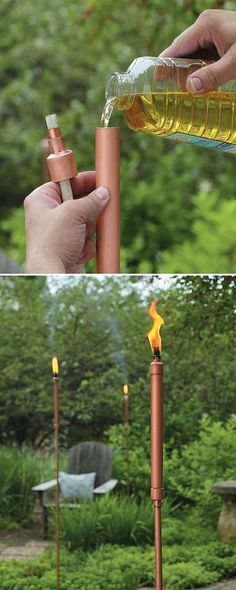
(26, 544)
(31, 550)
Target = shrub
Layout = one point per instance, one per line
(190, 472)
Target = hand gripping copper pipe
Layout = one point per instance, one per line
(56, 443)
(157, 489)
(61, 163)
(108, 222)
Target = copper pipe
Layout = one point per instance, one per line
(126, 422)
(108, 222)
(56, 442)
(158, 543)
(126, 409)
(157, 489)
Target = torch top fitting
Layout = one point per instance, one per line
(61, 162)
(55, 137)
(156, 354)
(156, 367)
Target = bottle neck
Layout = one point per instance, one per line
(119, 90)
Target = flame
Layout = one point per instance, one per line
(154, 334)
(126, 389)
(55, 367)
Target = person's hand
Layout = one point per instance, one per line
(59, 235)
(215, 33)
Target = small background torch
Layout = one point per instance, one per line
(157, 489)
(126, 423)
(55, 371)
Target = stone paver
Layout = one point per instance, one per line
(230, 585)
(30, 550)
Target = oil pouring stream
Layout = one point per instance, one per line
(157, 489)
(55, 372)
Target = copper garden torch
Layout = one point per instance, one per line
(55, 371)
(126, 423)
(157, 489)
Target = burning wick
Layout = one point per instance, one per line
(157, 489)
(61, 162)
(55, 371)
(154, 334)
(55, 367)
(126, 389)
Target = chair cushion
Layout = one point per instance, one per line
(77, 486)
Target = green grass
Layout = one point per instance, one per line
(20, 470)
(112, 519)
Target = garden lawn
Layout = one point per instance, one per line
(112, 567)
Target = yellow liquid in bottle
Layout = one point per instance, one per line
(211, 116)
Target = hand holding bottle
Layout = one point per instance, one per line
(59, 235)
(214, 30)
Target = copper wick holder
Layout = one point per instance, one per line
(61, 162)
(157, 487)
(108, 222)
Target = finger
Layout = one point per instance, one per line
(88, 251)
(211, 77)
(83, 183)
(47, 196)
(186, 43)
(83, 210)
(90, 229)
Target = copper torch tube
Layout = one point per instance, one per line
(108, 222)
(157, 489)
(56, 440)
(126, 417)
(158, 544)
(126, 409)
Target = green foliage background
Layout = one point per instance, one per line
(98, 329)
(178, 202)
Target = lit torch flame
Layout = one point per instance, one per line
(126, 389)
(55, 368)
(154, 334)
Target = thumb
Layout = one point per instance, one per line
(212, 76)
(90, 206)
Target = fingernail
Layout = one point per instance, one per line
(194, 84)
(102, 192)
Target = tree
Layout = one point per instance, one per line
(97, 328)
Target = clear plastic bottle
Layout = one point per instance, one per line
(153, 96)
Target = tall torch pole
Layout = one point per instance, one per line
(126, 422)
(108, 222)
(157, 487)
(55, 371)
